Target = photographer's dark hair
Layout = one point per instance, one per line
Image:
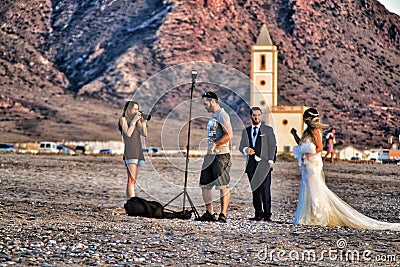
(127, 105)
(210, 95)
(254, 109)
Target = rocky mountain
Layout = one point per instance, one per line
(67, 66)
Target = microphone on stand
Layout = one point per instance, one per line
(186, 214)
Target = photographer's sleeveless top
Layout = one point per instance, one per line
(215, 130)
(133, 145)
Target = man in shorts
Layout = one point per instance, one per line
(217, 162)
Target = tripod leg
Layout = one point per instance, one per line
(196, 214)
(174, 199)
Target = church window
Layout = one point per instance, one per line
(263, 64)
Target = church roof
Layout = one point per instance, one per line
(264, 38)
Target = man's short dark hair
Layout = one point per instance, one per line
(210, 95)
(254, 109)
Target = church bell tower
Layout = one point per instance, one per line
(264, 72)
(264, 93)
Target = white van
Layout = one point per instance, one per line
(48, 147)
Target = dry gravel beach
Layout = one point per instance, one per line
(66, 211)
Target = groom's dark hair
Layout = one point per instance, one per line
(254, 109)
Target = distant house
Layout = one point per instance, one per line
(350, 152)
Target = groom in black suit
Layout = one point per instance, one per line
(258, 143)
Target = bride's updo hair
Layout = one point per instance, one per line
(310, 113)
(311, 118)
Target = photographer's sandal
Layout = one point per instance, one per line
(221, 218)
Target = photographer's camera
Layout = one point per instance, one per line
(145, 116)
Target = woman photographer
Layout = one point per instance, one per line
(132, 125)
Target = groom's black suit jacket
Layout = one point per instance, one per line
(265, 148)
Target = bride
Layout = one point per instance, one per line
(318, 205)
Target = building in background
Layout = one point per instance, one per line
(351, 153)
(264, 93)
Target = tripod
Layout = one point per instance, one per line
(184, 192)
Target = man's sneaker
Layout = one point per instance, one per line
(221, 218)
(206, 217)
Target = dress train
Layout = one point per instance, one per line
(318, 205)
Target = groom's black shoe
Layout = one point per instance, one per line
(256, 218)
(267, 219)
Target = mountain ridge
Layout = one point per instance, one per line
(342, 57)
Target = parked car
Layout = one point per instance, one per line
(105, 152)
(147, 150)
(7, 148)
(63, 150)
(379, 161)
(48, 147)
(83, 150)
(156, 150)
(151, 150)
(79, 150)
(390, 161)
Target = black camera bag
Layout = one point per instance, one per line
(137, 206)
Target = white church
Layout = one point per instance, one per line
(264, 93)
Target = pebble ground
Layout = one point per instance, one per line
(67, 211)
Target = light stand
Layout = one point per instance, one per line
(184, 192)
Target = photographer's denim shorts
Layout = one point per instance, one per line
(138, 162)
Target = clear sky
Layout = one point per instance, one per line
(391, 5)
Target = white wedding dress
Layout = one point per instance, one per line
(318, 205)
